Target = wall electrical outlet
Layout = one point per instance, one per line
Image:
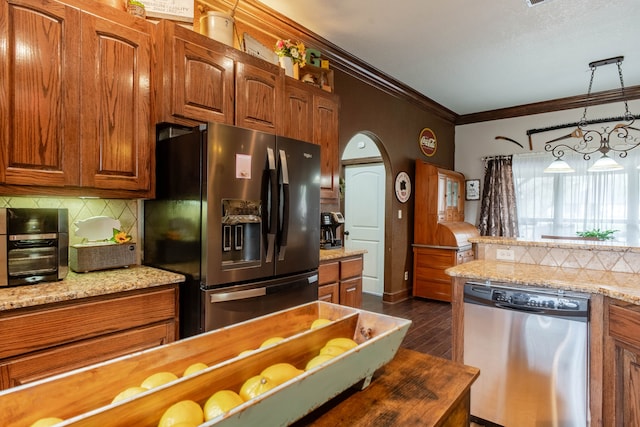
(406, 275)
(505, 255)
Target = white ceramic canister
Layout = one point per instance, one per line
(218, 26)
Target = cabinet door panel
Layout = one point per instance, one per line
(258, 97)
(325, 129)
(39, 115)
(116, 95)
(298, 112)
(329, 293)
(351, 292)
(202, 82)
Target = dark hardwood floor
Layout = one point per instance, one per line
(430, 330)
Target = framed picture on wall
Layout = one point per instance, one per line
(472, 189)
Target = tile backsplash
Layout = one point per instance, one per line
(82, 208)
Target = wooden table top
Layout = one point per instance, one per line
(413, 389)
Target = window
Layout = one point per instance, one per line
(564, 204)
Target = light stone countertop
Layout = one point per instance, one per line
(331, 254)
(84, 285)
(622, 286)
(605, 245)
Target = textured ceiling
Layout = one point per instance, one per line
(474, 56)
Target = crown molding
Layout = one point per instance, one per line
(568, 103)
(267, 21)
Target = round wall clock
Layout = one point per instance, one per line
(403, 187)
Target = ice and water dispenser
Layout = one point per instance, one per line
(241, 232)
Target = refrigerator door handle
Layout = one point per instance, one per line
(272, 211)
(286, 205)
(237, 295)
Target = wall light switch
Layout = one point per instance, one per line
(399, 213)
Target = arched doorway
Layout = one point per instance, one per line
(364, 207)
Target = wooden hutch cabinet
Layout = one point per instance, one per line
(440, 233)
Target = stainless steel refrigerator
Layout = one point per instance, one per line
(237, 211)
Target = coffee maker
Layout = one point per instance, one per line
(329, 223)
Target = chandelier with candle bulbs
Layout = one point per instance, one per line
(591, 141)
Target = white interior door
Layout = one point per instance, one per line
(364, 220)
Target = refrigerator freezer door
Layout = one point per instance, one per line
(228, 305)
(236, 206)
(299, 206)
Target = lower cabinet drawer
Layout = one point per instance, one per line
(21, 370)
(350, 268)
(43, 328)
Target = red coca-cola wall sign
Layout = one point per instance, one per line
(428, 142)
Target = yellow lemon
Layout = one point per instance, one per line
(47, 422)
(185, 411)
(220, 402)
(332, 350)
(255, 386)
(158, 379)
(281, 372)
(244, 353)
(346, 343)
(195, 367)
(131, 391)
(319, 322)
(318, 360)
(271, 341)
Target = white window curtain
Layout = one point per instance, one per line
(564, 204)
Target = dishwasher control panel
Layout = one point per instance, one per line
(528, 298)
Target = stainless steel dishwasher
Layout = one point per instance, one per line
(531, 345)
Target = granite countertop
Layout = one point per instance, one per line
(608, 245)
(329, 254)
(622, 286)
(83, 285)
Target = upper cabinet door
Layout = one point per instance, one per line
(39, 107)
(298, 111)
(197, 78)
(258, 97)
(117, 132)
(325, 134)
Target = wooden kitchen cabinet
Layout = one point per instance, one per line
(75, 109)
(325, 134)
(429, 263)
(43, 341)
(197, 84)
(259, 93)
(298, 110)
(340, 281)
(621, 389)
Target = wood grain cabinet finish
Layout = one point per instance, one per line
(298, 111)
(75, 105)
(340, 281)
(259, 90)
(325, 134)
(197, 83)
(429, 279)
(621, 389)
(44, 341)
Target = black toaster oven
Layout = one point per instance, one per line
(35, 244)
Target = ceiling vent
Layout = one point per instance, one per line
(532, 3)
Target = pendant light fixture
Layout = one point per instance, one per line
(592, 140)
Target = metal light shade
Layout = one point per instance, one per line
(605, 164)
(559, 166)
